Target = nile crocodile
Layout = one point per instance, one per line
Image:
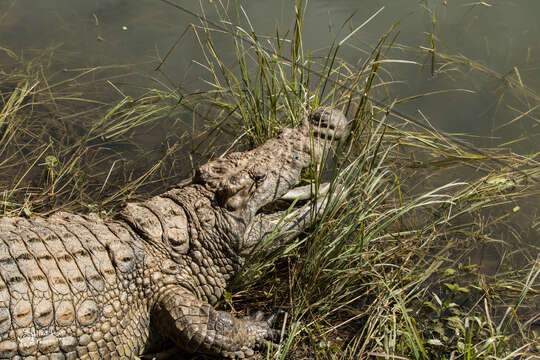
(80, 287)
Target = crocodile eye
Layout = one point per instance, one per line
(258, 174)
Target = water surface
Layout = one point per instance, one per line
(502, 37)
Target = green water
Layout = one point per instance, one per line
(500, 37)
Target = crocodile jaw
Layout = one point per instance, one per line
(242, 183)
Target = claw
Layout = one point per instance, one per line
(271, 319)
(249, 352)
(259, 316)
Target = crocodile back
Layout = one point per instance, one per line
(71, 286)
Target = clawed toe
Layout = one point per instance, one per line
(271, 319)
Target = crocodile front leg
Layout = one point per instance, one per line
(197, 327)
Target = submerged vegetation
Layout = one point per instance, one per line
(428, 248)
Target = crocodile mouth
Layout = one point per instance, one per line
(296, 197)
(305, 192)
(285, 218)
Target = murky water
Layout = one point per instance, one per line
(491, 48)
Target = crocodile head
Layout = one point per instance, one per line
(243, 183)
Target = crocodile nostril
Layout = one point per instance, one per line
(328, 122)
(317, 116)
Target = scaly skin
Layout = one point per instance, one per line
(79, 287)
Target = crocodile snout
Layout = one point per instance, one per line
(328, 123)
(244, 182)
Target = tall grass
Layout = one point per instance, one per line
(395, 268)
(65, 142)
